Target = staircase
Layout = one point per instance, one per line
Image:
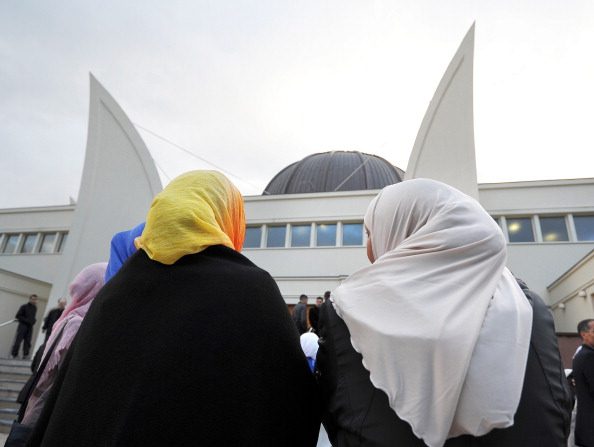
(13, 375)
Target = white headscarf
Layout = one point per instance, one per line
(441, 323)
(309, 344)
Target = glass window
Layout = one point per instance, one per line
(352, 234)
(276, 236)
(584, 227)
(11, 243)
(253, 236)
(29, 243)
(553, 229)
(326, 235)
(62, 242)
(520, 229)
(47, 243)
(300, 235)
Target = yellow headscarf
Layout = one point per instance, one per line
(196, 210)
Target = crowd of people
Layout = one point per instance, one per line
(181, 340)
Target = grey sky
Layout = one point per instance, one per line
(253, 86)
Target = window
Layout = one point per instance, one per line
(253, 236)
(520, 229)
(352, 234)
(553, 229)
(584, 227)
(11, 243)
(326, 235)
(62, 242)
(300, 235)
(47, 243)
(276, 236)
(29, 243)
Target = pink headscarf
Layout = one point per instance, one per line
(83, 290)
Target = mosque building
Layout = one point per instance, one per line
(306, 228)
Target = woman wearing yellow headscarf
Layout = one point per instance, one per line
(189, 344)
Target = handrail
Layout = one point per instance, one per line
(6, 323)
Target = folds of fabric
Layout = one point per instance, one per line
(196, 210)
(440, 323)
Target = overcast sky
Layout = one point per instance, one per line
(253, 86)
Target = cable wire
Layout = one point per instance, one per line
(187, 151)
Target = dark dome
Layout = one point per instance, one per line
(334, 171)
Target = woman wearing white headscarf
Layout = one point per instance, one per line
(439, 325)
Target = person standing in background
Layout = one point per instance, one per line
(314, 314)
(52, 316)
(583, 374)
(26, 318)
(300, 314)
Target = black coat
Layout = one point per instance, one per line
(202, 352)
(314, 318)
(26, 314)
(358, 414)
(51, 317)
(583, 373)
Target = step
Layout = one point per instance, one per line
(6, 419)
(17, 377)
(8, 414)
(12, 384)
(9, 403)
(9, 394)
(9, 361)
(15, 369)
(5, 425)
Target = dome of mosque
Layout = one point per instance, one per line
(334, 171)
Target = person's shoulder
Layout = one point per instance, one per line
(586, 352)
(240, 263)
(583, 356)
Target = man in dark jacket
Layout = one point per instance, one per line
(52, 316)
(583, 373)
(26, 319)
(300, 314)
(314, 314)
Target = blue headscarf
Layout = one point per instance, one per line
(122, 247)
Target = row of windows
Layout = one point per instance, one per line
(567, 228)
(46, 242)
(304, 235)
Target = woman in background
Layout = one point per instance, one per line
(189, 344)
(82, 290)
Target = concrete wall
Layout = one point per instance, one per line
(309, 270)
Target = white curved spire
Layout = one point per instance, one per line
(118, 183)
(444, 147)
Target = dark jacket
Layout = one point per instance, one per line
(300, 317)
(314, 317)
(26, 314)
(51, 317)
(583, 373)
(202, 352)
(358, 414)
